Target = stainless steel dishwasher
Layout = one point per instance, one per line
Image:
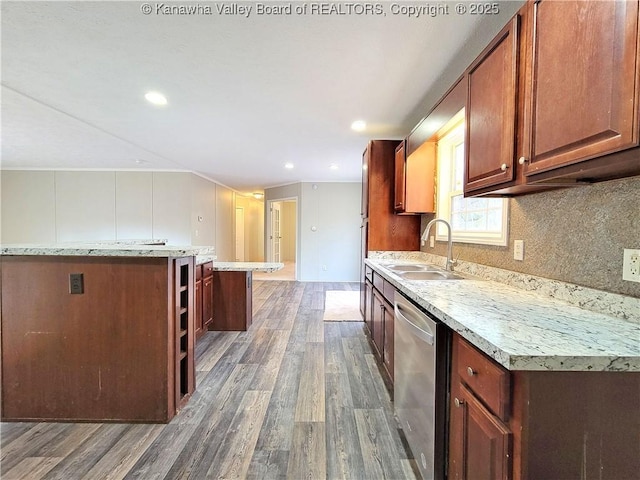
(421, 385)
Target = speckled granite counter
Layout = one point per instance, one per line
(104, 250)
(523, 330)
(248, 266)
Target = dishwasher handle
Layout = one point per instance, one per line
(415, 329)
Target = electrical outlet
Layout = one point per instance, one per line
(518, 250)
(631, 265)
(432, 241)
(76, 283)
(324, 268)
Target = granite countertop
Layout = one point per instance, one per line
(523, 330)
(248, 266)
(104, 250)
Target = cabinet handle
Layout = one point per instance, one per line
(522, 160)
(458, 402)
(470, 371)
(504, 167)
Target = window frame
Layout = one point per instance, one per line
(448, 137)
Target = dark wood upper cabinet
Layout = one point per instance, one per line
(553, 101)
(583, 92)
(490, 142)
(415, 179)
(384, 230)
(400, 190)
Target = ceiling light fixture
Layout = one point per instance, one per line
(333, 166)
(258, 195)
(359, 125)
(156, 98)
(288, 166)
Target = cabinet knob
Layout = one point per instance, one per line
(522, 160)
(470, 371)
(504, 167)
(458, 402)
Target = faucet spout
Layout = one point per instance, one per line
(450, 261)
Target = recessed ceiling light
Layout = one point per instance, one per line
(359, 125)
(156, 98)
(288, 165)
(333, 166)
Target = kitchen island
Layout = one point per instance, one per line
(539, 387)
(230, 284)
(97, 332)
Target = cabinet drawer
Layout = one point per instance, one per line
(198, 272)
(207, 269)
(368, 273)
(489, 381)
(378, 282)
(389, 292)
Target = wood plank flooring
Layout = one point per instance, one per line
(292, 398)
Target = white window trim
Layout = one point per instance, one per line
(452, 136)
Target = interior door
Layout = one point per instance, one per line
(276, 235)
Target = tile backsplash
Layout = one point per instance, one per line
(574, 235)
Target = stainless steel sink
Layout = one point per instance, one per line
(411, 268)
(430, 275)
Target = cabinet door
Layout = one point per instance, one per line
(207, 302)
(368, 306)
(364, 204)
(400, 191)
(491, 112)
(389, 320)
(377, 315)
(584, 87)
(480, 444)
(198, 310)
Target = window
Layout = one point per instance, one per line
(472, 220)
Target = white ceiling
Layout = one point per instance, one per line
(246, 95)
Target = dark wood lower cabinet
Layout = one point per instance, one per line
(121, 351)
(480, 446)
(199, 327)
(233, 300)
(553, 425)
(207, 302)
(389, 322)
(203, 298)
(379, 319)
(368, 311)
(377, 314)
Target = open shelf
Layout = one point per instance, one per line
(184, 330)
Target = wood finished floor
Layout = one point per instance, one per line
(294, 398)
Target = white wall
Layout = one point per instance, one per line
(331, 252)
(289, 227)
(70, 206)
(253, 227)
(203, 211)
(85, 206)
(134, 205)
(28, 207)
(225, 215)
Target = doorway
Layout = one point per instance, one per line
(282, 237)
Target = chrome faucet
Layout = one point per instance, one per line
(450, 261)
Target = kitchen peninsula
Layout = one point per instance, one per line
(98, 332)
